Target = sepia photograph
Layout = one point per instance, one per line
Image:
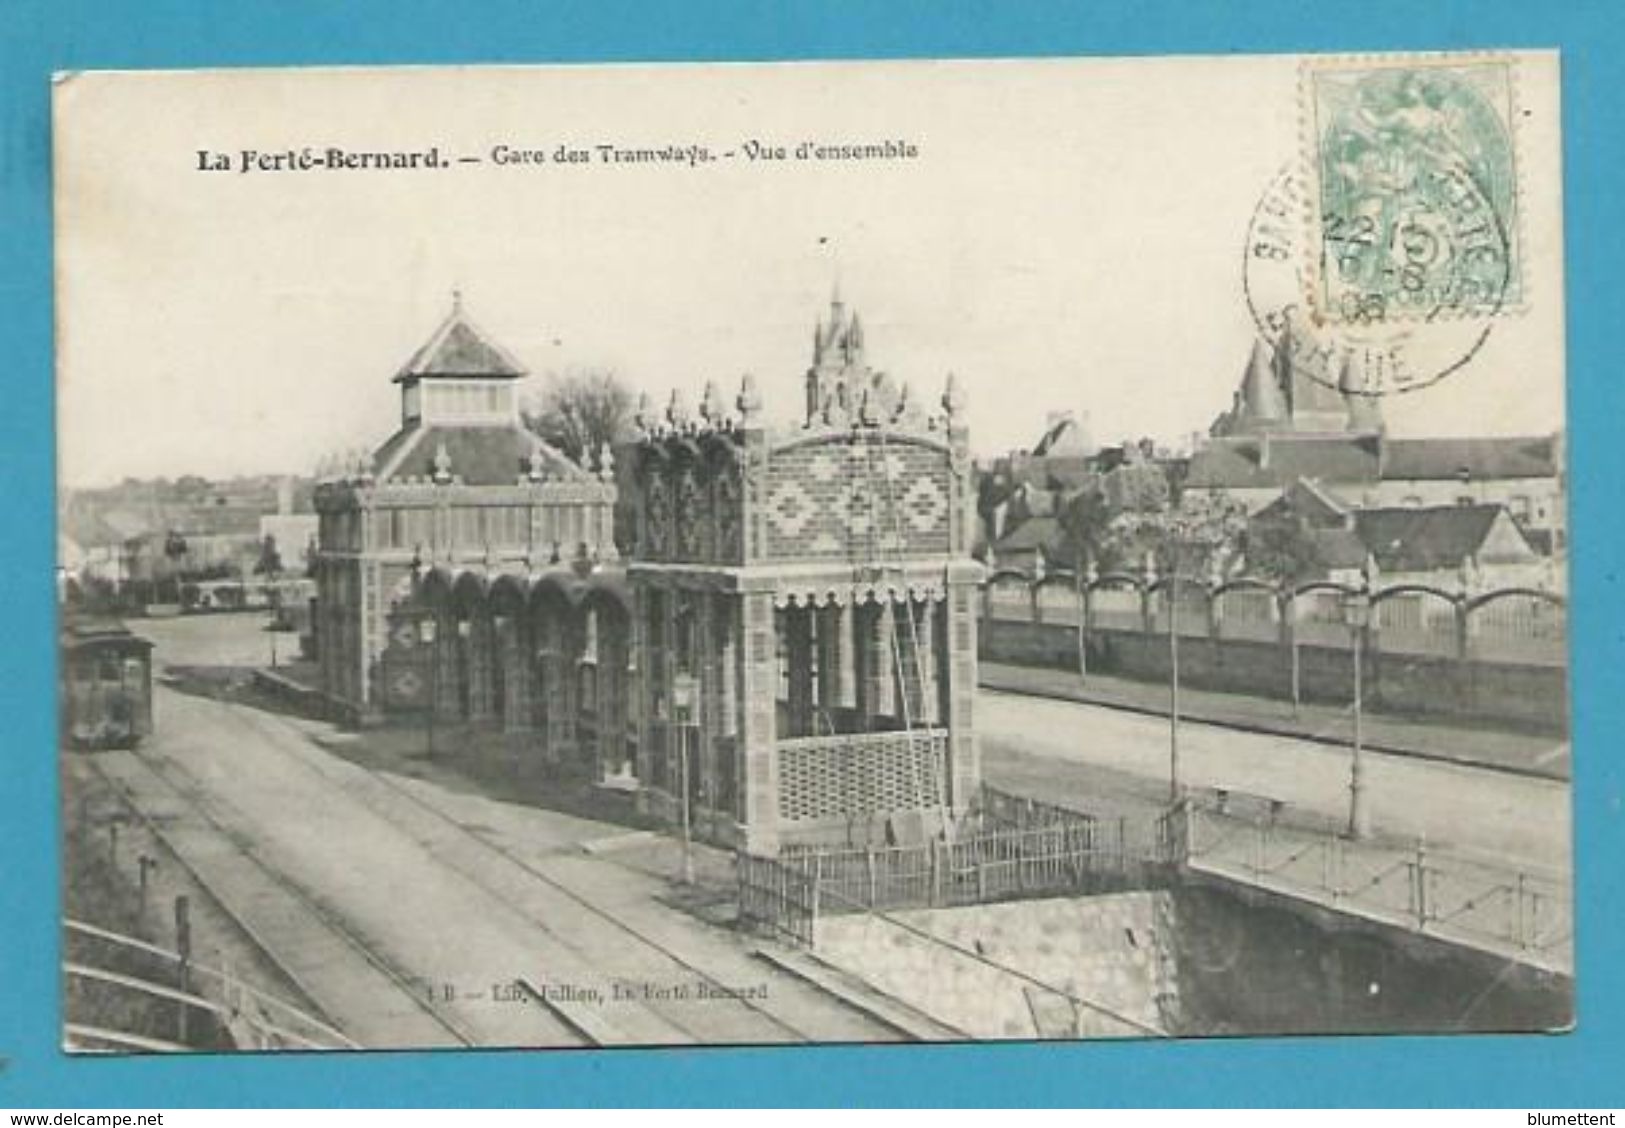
(780, 553)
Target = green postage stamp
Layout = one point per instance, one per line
(1415, 187)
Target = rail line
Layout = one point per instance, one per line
(188, 796)
(305, 754)
(640, 936)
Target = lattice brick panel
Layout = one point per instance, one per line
(864, 774)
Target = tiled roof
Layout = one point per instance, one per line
(1338, 548)
(1064, 439)
(1238, 464)
(1312, 494)
(91, 529)
(1425, 539)
(458, 348)
(1068, 471)
(479, 456)
(1035, 532)
(385, 456)
(1436, 459)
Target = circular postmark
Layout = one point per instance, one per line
(1376, 347)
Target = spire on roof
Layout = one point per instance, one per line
(1365, 411)
(1312, 404)
(836, 329)
(1261, 399)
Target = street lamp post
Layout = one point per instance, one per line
(1174, 789)
(1357, 613)
(684, 693)
(426, 632)
(1080, 577)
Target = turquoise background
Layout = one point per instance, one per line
(1581, 1069)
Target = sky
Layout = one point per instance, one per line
(1069, 237)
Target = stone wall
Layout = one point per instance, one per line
(1522, 696)
(1204, 958)
(1019, 969)
(1251, 963)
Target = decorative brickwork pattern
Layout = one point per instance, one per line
(851, 499)
(861, 774)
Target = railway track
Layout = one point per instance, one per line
(725, 1017)
(263, 894)
(580, 937)
(721, 990)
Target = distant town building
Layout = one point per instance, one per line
(1023, 498)
(1287, 425)
(123, 533)
(292, 534)
(1453, 547)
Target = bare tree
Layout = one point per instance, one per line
(581, 411)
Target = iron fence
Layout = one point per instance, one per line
(1502, 909)
(1010, 847)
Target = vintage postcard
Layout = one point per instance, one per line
(793, 553)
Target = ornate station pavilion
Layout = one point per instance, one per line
(783, 651)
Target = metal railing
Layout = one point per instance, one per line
(779, 897)
(250, 1014)
(1010, 847)
(1502, 909)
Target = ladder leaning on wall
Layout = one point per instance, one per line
(886, 552)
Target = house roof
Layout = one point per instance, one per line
(1528, 457)
(1427, 539)
(1279, 459)
(1064, 438)
(479, 456)
(1308, 499)
(1339, 548)
(91, 528)
(459, 349)
(1309, 493)
(1033, 533)
(1068, 471)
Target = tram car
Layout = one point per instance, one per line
(106, 684)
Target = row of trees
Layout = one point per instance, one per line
(1197, 535)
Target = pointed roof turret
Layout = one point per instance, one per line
(835, 327)
(459, 349)
(1312, 404)
(1261, 398)
(1365, 410)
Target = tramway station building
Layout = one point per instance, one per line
(782, 652)
(459, 505)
